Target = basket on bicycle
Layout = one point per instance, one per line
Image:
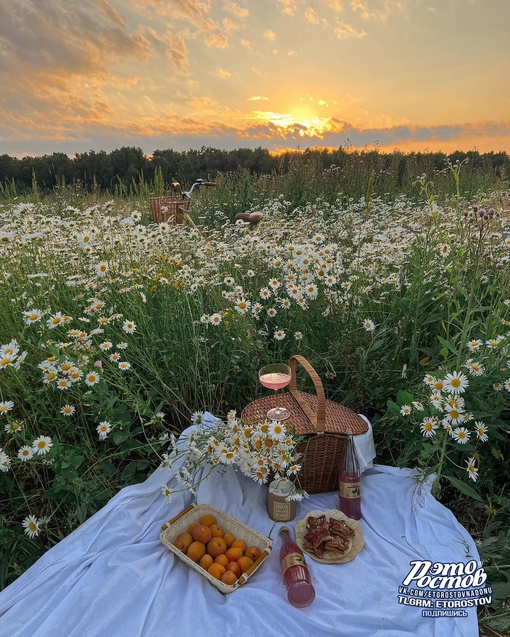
(169, 209)
(323, 422)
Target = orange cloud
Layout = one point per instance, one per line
(311, 17)
(270, 35)
(344, 31)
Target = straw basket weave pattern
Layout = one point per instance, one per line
(168, 209)
(180, 523)
(322, 421)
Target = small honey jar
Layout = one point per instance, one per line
(278, 507)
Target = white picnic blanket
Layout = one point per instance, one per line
(112, 577)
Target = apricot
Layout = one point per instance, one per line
(229, 578)
(192, 526)
(205, 561)
(196, 551)
(229, 538)
(240, 544)
(253, 552)
(201, 533)
(216, 546)
(216, 570)
(221, 559)
(183, 541)
(208, 520)
(216, 530)
(235, 568)
(234, 553)
(244, 563)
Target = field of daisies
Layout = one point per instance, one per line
(115, 331)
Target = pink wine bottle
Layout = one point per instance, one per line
(296, 575)
(349, 481)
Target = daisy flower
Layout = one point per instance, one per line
(455, 383)
(124, 366)
(242, 306)
(444, 249)
(276, 431)
(129, 327)
(428, 427)
(13, 427)
(461, 435)
(6, 406)
(102, 268)
(68, 410)
(106, 345)
(436, 399)
(42, 445)
(63, 384)
(103, 429)
(271, 312)
(115, 357)
(494, 342)
(472, 469)
(474, 345)
(215, 319)
(167, 492)
(55, 320)
(92, 378)
(5, 461)
(418, 406)
(31, 526)
(32, 316)
(369, 325)
(454, 416)
(25, 453)
(122, 345)
(298, 335)
(265, 293)
(405, 410)
(279, 335)
(481, 431)
(475, 369)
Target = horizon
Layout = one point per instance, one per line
(386, 75)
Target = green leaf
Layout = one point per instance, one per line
(393, 407)
(119, 436)
(464, 488)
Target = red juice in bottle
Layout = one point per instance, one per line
(296, 575)
(349, 501)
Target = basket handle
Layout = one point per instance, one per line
(179, 515)
(318, 420)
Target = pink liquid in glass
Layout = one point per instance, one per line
(275, 380)
(350, 495)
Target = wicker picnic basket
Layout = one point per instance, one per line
(323, 422)
(180, 523)
(169, 209)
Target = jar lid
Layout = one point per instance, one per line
(282, 487)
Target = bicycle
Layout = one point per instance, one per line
(175, 209)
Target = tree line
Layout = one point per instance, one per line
(123, 168)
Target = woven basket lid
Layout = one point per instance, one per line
(310, 414)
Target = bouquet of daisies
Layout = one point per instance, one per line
(259, 451)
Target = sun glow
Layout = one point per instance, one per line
(299, 123)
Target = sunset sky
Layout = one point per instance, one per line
(80, 75)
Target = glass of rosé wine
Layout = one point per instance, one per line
(275, 377)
